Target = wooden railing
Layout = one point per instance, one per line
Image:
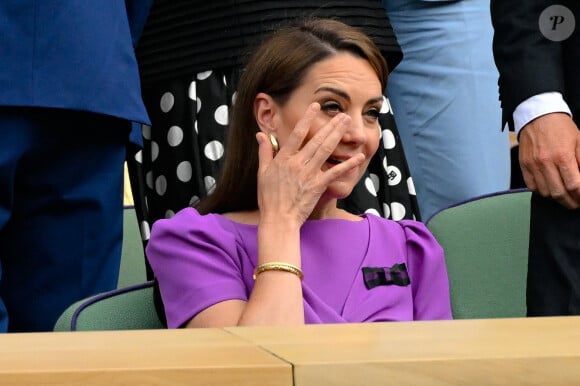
(538, 351)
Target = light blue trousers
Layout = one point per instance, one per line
(444, 97)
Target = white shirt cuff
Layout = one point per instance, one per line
(538, 105)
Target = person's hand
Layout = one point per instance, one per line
(549, 156)
(291, 183)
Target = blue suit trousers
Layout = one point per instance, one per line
(61, 187)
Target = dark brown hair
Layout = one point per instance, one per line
(277, 67)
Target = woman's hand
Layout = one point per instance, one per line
(291, 183)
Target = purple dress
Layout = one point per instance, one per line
(203, 260)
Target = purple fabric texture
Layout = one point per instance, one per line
(202, 260)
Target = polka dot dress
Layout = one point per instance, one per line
(184, 148)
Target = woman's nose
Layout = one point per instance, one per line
(355, 132)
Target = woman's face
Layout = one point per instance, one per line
(342, 83)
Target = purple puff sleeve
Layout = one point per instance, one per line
(428, 273)
(197, 263)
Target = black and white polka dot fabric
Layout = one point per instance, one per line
(184, 147)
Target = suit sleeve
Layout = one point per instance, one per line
(528, 62)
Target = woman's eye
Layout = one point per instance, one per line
(331, 107)
(373, 113)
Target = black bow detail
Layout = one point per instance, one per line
(395, 275)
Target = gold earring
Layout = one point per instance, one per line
(274, 143)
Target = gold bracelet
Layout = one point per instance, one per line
(274, 266)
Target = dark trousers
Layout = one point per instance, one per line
(61, 200)
(554, 259)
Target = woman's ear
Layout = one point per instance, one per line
(265, 110)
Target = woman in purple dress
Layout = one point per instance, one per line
(190, 57)
(271, 245)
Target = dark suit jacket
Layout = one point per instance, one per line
(529, 63)
(73, 54)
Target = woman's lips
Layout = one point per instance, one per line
(334, 161)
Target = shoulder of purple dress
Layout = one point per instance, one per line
(189, 219)
(411, 230)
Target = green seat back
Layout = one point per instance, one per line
(486, 250)
(128, 308)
